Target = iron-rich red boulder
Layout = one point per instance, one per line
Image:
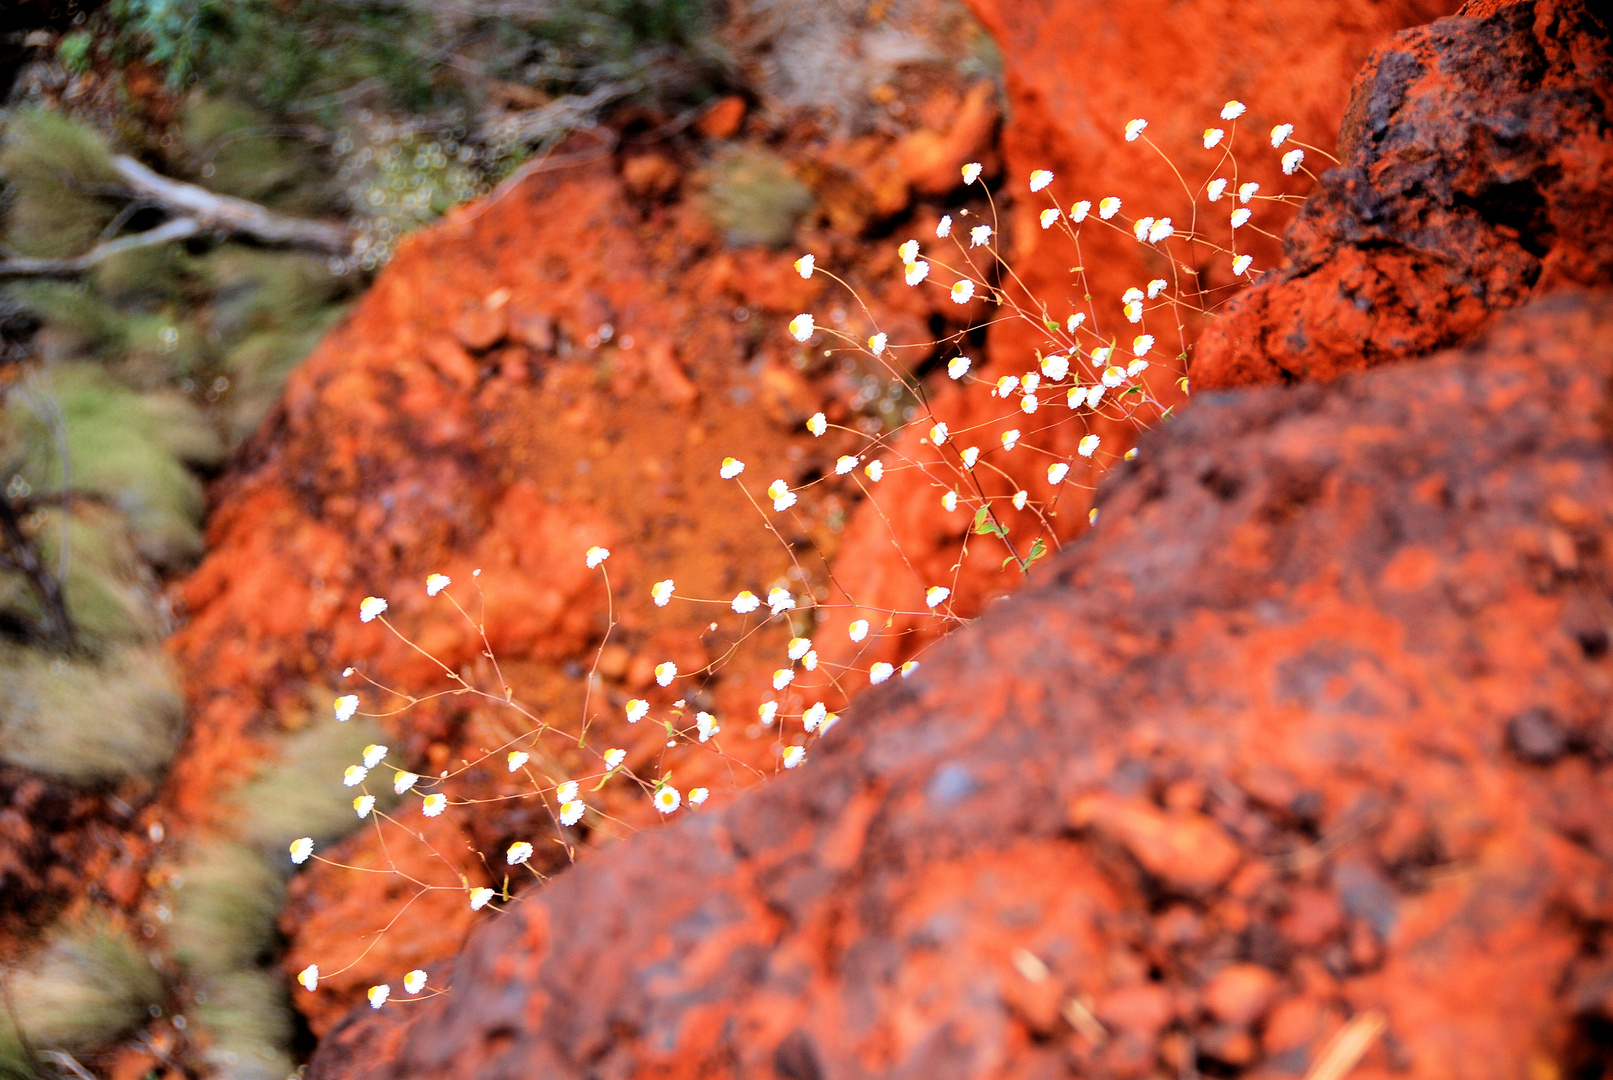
(1477, 173)
(1316, 725)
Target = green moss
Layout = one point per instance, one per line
(89, 721)
(88, 985)
(240, 151)
(224, 902)
(52, 165)
(754, 198)
(81, 321)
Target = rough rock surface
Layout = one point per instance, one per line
(1477, 171)
(1314, 724)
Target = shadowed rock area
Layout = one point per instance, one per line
(1315, 724)
(1477, 171)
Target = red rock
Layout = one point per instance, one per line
(1186, 851)
(732, 943)
(1240, 994)
(722, 119)
(1313, 916)
(1474, 153)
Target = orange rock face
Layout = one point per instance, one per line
(1322, 654)
(1477, 168)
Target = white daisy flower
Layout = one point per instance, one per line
(370, 607)
(667, 798)
(963, 291)
(845, 463)
(970, 455)
(1133, 311)
(1076, 397)
(1217, 187)
(706, 725)
(731, 467)
(818, 424)
(637, 709)
(1240, 265)
(858, 630)
(798, 647)
(1010, 438)
(1140, 227)
(1073, 323)
(596, 556)
(1232, 110)
(1108, 208)
(943, 228)
(782, 678)
(1055, 367)
(1057, 472)
(300, 850)
(571, 811)
(1006, 385)
(814, 716)
(403, 781)
(780, 600)
(794, 756)
(916, 272)
(1048, 217)
(908, 252)
(936, 595)
(1212, 137)
(1087, 446)
(1100, 355)
(661, 592)
(804, 265)
(378, 995)
(354, 775)
(414, 982)
(374, 754)
(1079, 212)
(1028, 404)
(801, 327)
(614, 759)
(1280, 133)
(938, 433)
(1040, 179)
(1141, 344)
(783, 497)
(479, 898)
(1291, 161)
(436, 583)
(1135, 128)
(346, 706)
(698, 796)
(766, 711)
(665, 672)
(1095, 395)
(746, 602)
(519, 853)
(309, 977)
(1020, 499)
(1161, 230)
(435, 804)
(1247, 191)
(566, 791)
(1113, 376)
(517, 758)
(879, 673)
(1239, 216)
(958, 366)
(971, 172)
(979, 235)
(1135, 368)
(876, 344)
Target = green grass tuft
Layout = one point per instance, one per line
(52, 165)
(89, 722)
(754, 198)
(248, 1023)
(224, 905)
(302, 793)
(88, 985)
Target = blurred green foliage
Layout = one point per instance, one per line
(754, 198)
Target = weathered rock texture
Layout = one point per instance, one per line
(1477, 172)
(1317, 722)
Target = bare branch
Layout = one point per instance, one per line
(21, 267)
(224, 213)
